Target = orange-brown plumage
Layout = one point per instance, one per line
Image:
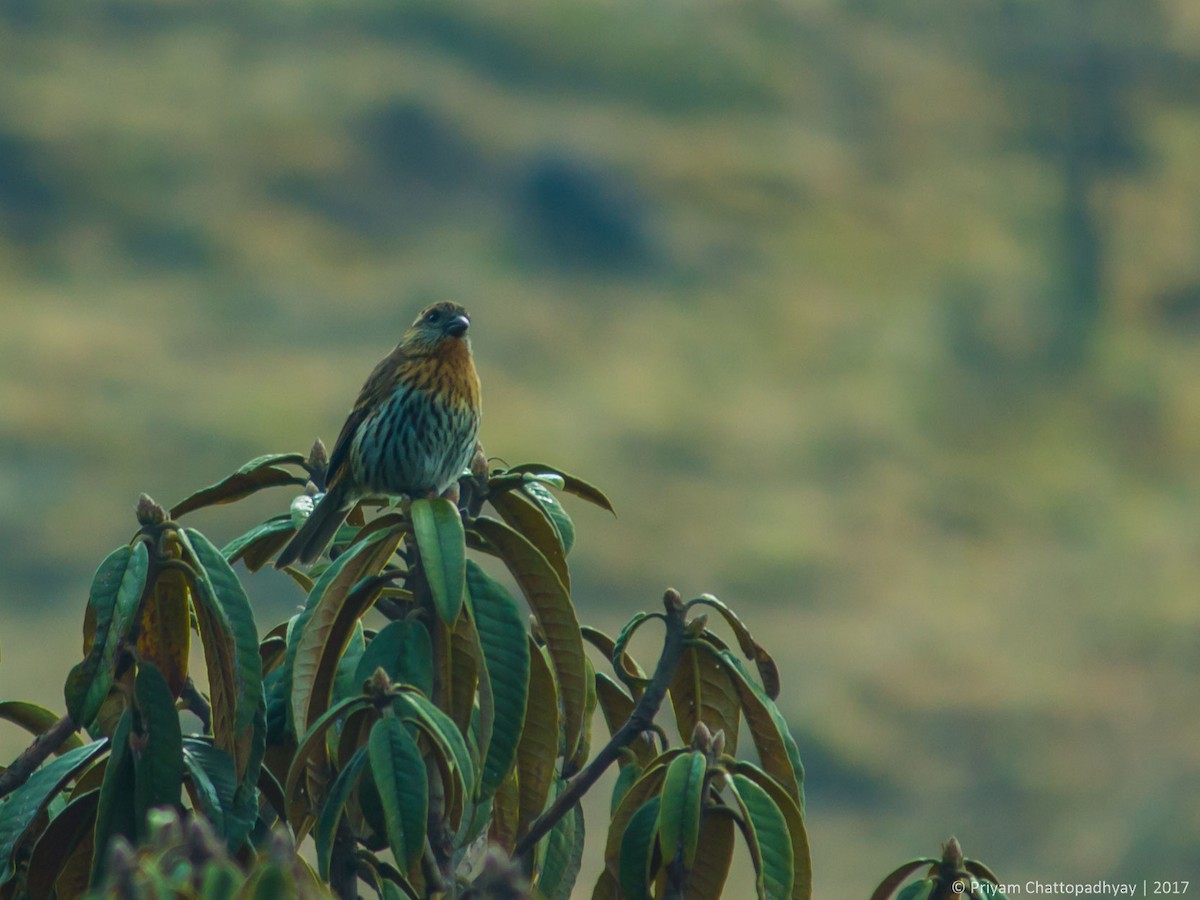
(412, 430)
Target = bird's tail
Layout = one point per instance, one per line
(318, 529)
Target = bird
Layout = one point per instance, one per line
(412, 431)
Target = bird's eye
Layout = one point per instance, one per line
(431, 317)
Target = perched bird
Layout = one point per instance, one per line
(412, 430)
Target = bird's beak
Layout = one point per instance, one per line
(458, 326)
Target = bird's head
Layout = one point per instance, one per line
(441, 322)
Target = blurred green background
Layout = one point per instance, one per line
(879, 320)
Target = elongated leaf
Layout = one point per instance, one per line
(19, 809)
(551, 605)
(898, 876)
(579, 759)
(703, 691)
(164, 636)
(527, 517)
(714, 853)
(647, 786)
(331, 812)
(627, 777)
(633, 677)
(449, 745)
(925, 889)
(116, 814)
(35, 719)
(403, 650)
(324, 628)
(114, 599)
(679, 811)
(399, 775)
(260, 544)
(767, 670)
(255, 475)
(313, 742)
(637, 846)
(439, 530)
(344, 683)
(467, 673)
(158, 761)
(776, 747)
(501, 632)
(66, 832)
(554, 510)
(801, 857)
(506, 805)
(563, 854)
(571, 484)
(222, 590)
(214, 781)
(767, 835)
(538, 747)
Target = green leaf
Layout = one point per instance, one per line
(551, 605)
(633, 677)
(313, 741)
(253, 476)
(637, 845)
(925, 889)
(331, 812)
(116, 814)
(629, 773)
(244, 814)
(214, 782)
(554, 510)
(801, 856)
(438, 527)
(501, 630)
(571, 484)
(563, 853)
(260, 544)
(766, 833)
(221, 590)
(646, 786)
(61, 838)
(323, 630)
(399, 774)
(404, 650)
(898, 876)
(679, 811)
(776, 747)
(115, 597)
(538, 747)
(158, 761)
(448, 742)
(19, 809)
(530, 519)
(344, 682)
(35, 719)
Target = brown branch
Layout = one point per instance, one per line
(193, 701)
(35, 754)
(640, 719)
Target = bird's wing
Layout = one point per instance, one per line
(371, 397)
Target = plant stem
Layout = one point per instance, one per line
(35, 754)
(639, 720)
(343, 865)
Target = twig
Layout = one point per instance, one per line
(35, 754)
(193, 701)
(639, 720)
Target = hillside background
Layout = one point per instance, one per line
(879, 320)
